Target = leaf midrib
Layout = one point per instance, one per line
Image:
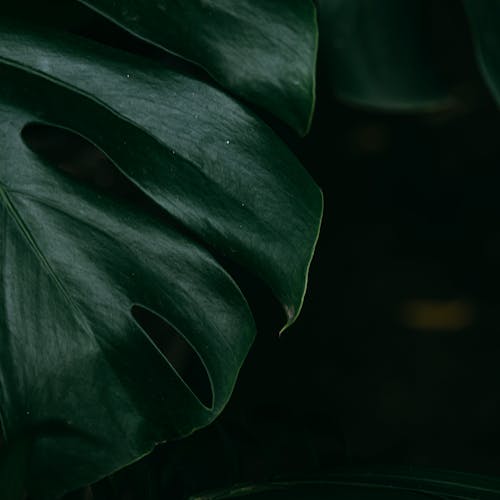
(24, 230)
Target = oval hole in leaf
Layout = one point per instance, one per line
(76, 156)
(181, 355)
(84, 161)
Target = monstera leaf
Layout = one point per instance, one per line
(77, 371)
(263, 51)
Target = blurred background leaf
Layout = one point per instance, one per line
(484, 18)
(380, 54)
(398, 484)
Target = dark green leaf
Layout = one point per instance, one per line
(229, 178)
(262, 50)
(378, 54)
(484, 18)
(74, 363)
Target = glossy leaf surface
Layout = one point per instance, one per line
(378, 54)
(75, 366)
(261, 50)
(224, 165)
